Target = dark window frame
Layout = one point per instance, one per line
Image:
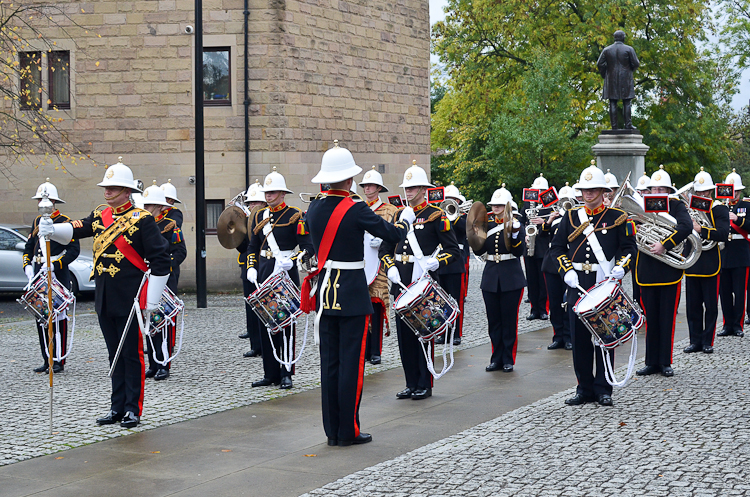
(211, 230)
(223, 102)
(50, 79)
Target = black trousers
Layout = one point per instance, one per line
(702, 299)
(412, 358)
(659, 304)
(453, 285)
(558, 316)
(254, 326)
(374, 345)
(537, 288)
(732, 290)
(62, 327)
(636, 288)
(585, 355)
(272, 369)
(342, 368)
(502, 323)
(129, 373)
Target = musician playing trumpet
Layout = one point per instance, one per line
(702, 279)
(592, 242)
(660, 283)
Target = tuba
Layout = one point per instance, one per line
(655, 227)
(699, 217)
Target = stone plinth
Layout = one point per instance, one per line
(622, 152)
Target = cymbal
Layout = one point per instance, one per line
(476, 226)
(231, 228)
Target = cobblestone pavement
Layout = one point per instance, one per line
(683, 436)
(210, 375)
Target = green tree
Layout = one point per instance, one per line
(739, 157)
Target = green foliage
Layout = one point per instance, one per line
(739, 157)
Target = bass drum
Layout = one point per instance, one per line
(372, 261)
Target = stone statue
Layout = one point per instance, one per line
(616, 65)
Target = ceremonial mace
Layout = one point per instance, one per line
(46, 207)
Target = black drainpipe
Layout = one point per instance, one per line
(247, 105)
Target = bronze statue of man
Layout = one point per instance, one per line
(616, 65)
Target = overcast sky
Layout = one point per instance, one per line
(741, 99)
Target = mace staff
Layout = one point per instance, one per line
(46, 207)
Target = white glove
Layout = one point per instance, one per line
(156, 286)
(252, 276)
(407, 214)
(46, 227)
(29, 272)
(284, 263)
(571, 278)
(375, 242)
(617, 272)
(431, 264)
(516, 229)
(394, 275)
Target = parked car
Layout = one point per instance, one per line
(12, 278)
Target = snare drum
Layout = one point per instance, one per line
(609, 313)
(276, 302)
(35, 298)
(426, 308)
(166, 314)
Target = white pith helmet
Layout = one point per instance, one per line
(337, 165)
(415, 176)
(734, 179)
(703, 182)
(591, 177)
(643, 182)
(611, 180)
(119, 175)
(451, 191)
(254, 193)
(51, 191)
(373, 177)
(501, 196)
(353, 188)
(170, 191)
(540, 183)
(566, 191)
(275, 182)
(138, 200)
(462, 198)
(661, 178)
(154, 195)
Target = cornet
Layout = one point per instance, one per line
(453, 209)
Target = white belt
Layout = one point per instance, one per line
(268, 254)
(404, 258)
(500, 257)
(585, 266)
(41, 260)
(737, 236)
(345, 264)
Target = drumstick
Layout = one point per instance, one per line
(579, 287)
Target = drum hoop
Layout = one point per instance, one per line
(267, 287)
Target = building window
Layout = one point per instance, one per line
(59, 79)
(214, 208)
(31, 79)
(216, 76)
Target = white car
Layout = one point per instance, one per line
(12, 278)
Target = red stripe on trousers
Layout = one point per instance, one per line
(718, 280)
(143, 371)
(674, 320)
(360, 375)
(744, 296)
(515, 344)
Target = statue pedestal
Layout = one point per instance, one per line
(621, 151)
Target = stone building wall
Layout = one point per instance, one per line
(319, 70)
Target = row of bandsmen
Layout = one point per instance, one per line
(128, 241)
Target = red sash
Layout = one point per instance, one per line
(308, 303)
(129, 252)
(739, 230)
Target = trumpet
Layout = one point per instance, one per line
(309, 197)
(453, 209)
(238, 201)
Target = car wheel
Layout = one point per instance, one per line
(74, 286)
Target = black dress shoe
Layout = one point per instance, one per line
(375, 359)
(555, 345)
(693, 347)
(648, 370)
(265, 382)
(405, 393)
(110, 418)
(568, 345)
(362, 438)
(332, 442)
(286, 383)
(58, 368)
(667, 371)
(526, 301)
(457, 341)
(604, 400)
(747, 320)
(725, 332)
(244, 335)
(150, 372)
(251, 353)
(707, 349)
(532, 316)
(421, 393)
(544, 316)
(162, 374)
(507, 368)
(130, 420)
(440, 340)
(493, 367)
(578, 399)
(739, 333)
(44, 368)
